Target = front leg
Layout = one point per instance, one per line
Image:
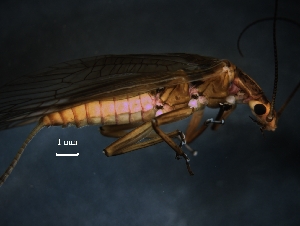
(193, 131)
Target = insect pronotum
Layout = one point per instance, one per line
(132, 92)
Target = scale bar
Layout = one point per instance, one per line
(67, 154)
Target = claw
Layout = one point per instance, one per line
(188, 164)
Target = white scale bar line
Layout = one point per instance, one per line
(67, 154)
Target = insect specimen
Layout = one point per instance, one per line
(139, 92)
(133, 92)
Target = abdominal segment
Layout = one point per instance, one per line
(116, 112)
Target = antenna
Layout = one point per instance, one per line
(270, 115)
(275, 18)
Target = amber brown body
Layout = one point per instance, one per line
(136, 92)
(143, 107)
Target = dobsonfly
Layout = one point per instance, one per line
(133, 92)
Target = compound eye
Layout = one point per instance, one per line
(260, 109)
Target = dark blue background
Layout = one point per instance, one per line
(240, 178)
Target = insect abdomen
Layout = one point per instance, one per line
(135, 109)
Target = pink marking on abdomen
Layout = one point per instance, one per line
(123, 111)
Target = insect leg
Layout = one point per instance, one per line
(116, 130)
(223, 114)
(167, 118)
(151, 139)
(130, 141)
(123, 144)
(193, 132)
